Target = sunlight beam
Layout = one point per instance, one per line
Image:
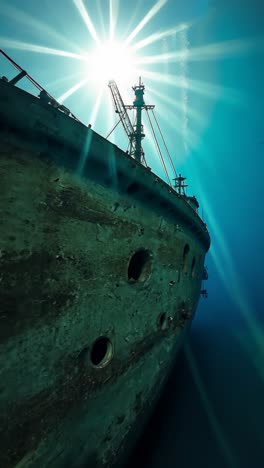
(169, 100)
(152, 12)
(193, 114)
(86, 18)
(214, 51)
(33, 23)
(27, 46)
(184, 91)
(86, 146)
(255, 351)
(175, 122)
(225, 49)
(215, 424)
(187, 139)
(211, 91)
(58, 81)
(223, 260)
(172, 57)
(160, 35)
(96, 106)
(113, 15)
(71, 91)
(111, 20)
(101, 20)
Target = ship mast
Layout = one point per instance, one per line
(180, 185)
(135, 132)
(139, 104)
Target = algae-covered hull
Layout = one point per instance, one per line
(101, 268)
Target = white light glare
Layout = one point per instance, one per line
(109, 61)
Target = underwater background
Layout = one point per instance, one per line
(211, 413)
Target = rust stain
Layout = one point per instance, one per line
(30, 420)
(73, 203)
(33, 287)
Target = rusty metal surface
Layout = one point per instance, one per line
(66, 243)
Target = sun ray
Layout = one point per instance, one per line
(209, 90)
(214, 51)
(223, 261)
(171, 117)
(172, 57)
(84, 153)
(111, 20)
(160, 35)
(216, 426)
(59, 81)
(184, 92)
(161, 78)
(174, 121)
(152, 12)
(222, 50)
(86, 18)
(193, 114)
(255, 351)
(35, 24)
(27, 46)
(113, 15)
(71, 91)
(188, 139)
(101, 18)
(214, 91)
(85, 150)
(225, 267)
(96, 106)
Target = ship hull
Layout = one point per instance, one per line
(101, 269)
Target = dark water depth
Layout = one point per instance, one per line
(211, 411)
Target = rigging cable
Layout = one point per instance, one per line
(158, 149)
(168, 154)
(114, 127)
(35, 83)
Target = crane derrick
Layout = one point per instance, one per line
(123, 115)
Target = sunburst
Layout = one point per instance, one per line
(111, 55)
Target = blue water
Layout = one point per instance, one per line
(211, 414)
(212, 411)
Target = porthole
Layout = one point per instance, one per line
(140, 266)
(101, 352)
